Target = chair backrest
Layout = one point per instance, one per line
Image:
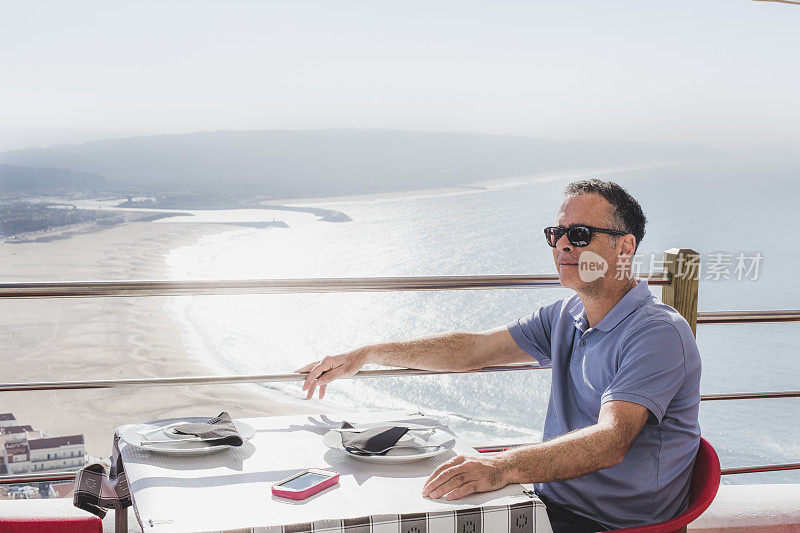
(705, 482)
(51, 515)
(52, 525)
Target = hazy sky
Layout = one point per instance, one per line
(723, 72)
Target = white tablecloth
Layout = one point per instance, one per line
(231, 490)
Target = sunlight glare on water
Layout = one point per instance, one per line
(492, 231)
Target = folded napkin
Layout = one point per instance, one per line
(219, 430)
(97, 491)
(373, 441)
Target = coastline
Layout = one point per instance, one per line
(523, 179)
(108, 338)
(132, 212)
(68, 230)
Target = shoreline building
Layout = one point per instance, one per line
(57, 453)
(7, 419)
(24, 450)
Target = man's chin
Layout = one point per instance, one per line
(572, 280)
(569, 280)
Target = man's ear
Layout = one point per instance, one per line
(627, 245)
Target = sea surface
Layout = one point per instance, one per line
(747, 210)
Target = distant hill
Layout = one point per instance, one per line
(283, 163)
(19, 138)
(17, 179)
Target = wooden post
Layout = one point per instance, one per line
(121, 520)
(683, 266)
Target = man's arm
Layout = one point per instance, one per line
(572, 455)
(451, 351)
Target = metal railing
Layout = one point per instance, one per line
(82, 289)
(91, 289)
(363, 374)
(252, 378)
(70, 476)
(748, 317)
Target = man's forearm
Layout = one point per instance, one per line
(569, 456)
(451, 351)
(581, 452)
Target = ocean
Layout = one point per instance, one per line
(741, 217)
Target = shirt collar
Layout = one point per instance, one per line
(624, 307)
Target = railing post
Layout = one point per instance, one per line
(683, 265)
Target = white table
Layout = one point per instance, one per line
(231, 490)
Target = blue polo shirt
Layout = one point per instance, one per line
(643, 351)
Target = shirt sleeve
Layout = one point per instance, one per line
(652, 368)
(533, 332)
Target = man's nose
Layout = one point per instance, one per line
(563, 244)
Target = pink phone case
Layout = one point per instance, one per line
(303, 494)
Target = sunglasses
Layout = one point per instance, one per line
(579, 236)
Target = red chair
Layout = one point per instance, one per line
(52, 515)
(705, 482)
(52, 525)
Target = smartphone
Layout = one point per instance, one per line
(306, 483)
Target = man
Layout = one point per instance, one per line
(621, 431)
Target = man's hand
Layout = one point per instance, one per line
(320, 373)
(462, 476)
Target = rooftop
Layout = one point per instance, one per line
(16, 448)
(17, 437)
(4, 417)
(15, 429)
(62, 490)
(54, 442)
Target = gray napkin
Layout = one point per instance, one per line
(217, 431)
(373, 441)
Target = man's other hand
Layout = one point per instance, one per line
(321, 373)
(462, 476)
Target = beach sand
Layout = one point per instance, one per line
(109, 338)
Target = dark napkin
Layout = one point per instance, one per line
(371, 441)
(219, 430)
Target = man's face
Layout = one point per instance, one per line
(587, 268)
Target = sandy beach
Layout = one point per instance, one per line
(107, 338)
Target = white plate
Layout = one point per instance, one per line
(160, 430)
(333, 440)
